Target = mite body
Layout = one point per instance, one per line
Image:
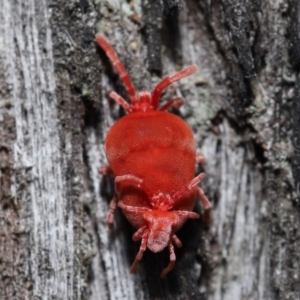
(152, 154)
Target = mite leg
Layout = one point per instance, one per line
(113, 95)
(112, 55)
(169, 80)
(177, 102)
(133, 209)
(184, 214)
(187, 189)
(171, 263)
(131, 179)
(206, 205)
(110, 213)
(140, 254)
(176, 240)
(105, 170)
(199, 158)
(196, 180)
(205, 202)
(139, 233)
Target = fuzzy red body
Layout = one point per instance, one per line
(157, 147)
(152, 154)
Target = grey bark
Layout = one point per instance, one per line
(242, 104)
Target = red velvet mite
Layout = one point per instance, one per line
(152, 154)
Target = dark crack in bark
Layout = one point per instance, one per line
(153, 13)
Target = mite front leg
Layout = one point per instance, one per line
(112, 55)
(139, 256)
(171, 263)
(118, 99)
(168, 81)
(176, 241)
(206, 205)
(177, 102)
(139, 233)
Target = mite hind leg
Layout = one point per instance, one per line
(188, 188)
(110, 213)
(133, 209)
(205, 204)
(105, 169)
(119, 180)
(131, 180)
(199, 158)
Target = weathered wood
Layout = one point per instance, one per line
(40, 242)
(54, 116)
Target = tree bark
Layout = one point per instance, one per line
(242, 104)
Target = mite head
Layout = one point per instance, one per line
(161, 226)
(157, 226)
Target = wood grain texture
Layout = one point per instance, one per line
(39, 246)
(54, 116)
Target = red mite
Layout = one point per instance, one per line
(152, 154)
